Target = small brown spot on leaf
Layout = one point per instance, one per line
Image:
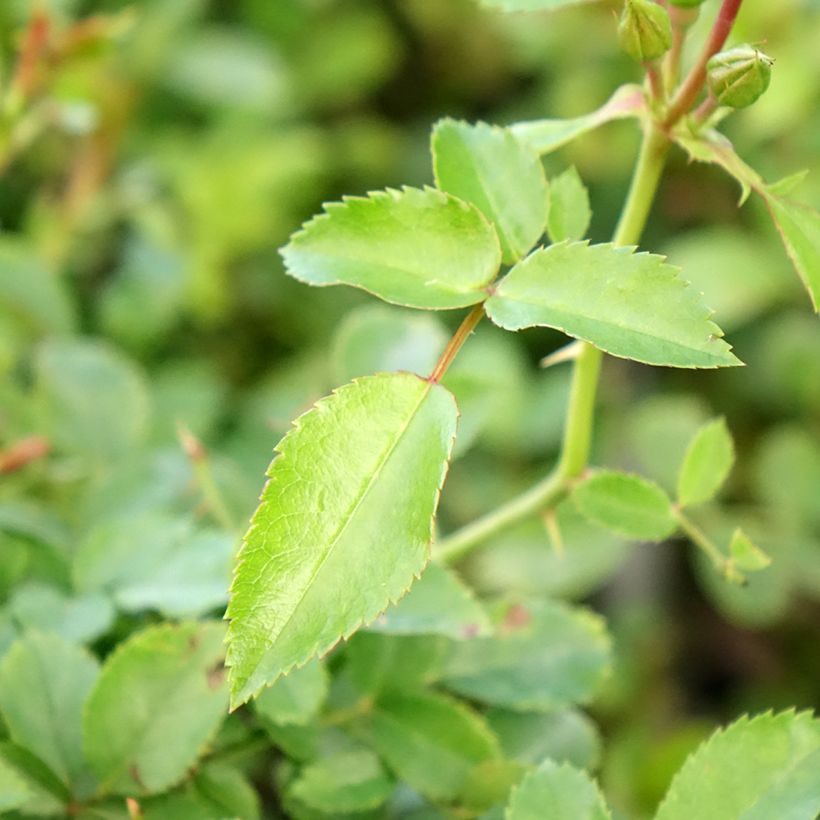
(517, 617)
(215, 675)
(134, 771)
(470, 631)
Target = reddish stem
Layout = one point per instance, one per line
(692, 85)
(454, 345)
(23, 452)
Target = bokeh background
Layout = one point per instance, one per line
(156, 154)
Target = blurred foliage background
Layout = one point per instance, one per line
(155, 155)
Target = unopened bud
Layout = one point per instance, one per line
(644, 31)
(738, 77)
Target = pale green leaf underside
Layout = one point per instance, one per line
(418, 248)
(569, 213)
(430, 741)
(799, 228)
(439, 603)
(756, 769)
(344, 525)
(159, 699)
(502, 177)
(549, 135)
(626, 504)
(707, 463)
(295, 698)
(544, 656)
(557, 792)
(532, 5)
(632, 305)
(348, 781)
(44, 681)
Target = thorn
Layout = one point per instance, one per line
(191, 445)
(550, 520)
(567, 353)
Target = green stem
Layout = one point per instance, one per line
(580, 412)
(701, 540)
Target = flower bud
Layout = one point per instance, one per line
(644, 31)
(738, 77)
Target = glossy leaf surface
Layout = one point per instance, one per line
(545, 655)
(626, 504)
(632, 305)
(159, 699)
(344, 525)
(487, 166)
(762, 767)
(707, 464)
(418, 248)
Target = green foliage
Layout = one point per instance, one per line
(371, 436)
(422, 249)
(569, 213)
(627, 304)
(707, 464)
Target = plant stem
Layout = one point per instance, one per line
(578, 432)
(692, 85)
(701, 540)
(454, 345)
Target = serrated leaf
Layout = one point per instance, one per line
(567, 736)
(430, 741)
(787, 184)
(160, 698)
(799, 228)
(632, 305)
(296, 697)
(44, 682)
(544, 656)
(417, 248)
(746, 555)
(487, 166)
(707, 464)
(559, 792)
(626, 504)
(545, 136)
(763, 767)
(439, 603)
(344, 525)
(533, 5)
(345, 782)
(569, 214)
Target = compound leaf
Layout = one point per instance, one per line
(762, 767)
(569, 213)
(418, 248)
(44, 682)
(344, 526)
(159, 699)
(626, 504)
(707, 463)
(544, 656)
(632, 305)
(487, 166)
(431, 741)
(560, 792)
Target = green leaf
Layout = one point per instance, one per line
(228, 789)
(44, 682)
(430, 741)
(438, 604)
(558, 792)
(545, 136)
(295, 698)
(81, 619)
(631, 305)
(418, 248)
(762, 767)
(14, 791)
(563, 736)
(626, 504)
(487, 166)
(746, 555)
(569, 213)
(799, 228)
(160, 698)
(544, 656)
(348, 781)
(46, 795)
(532, 5)
(344, 525)
(707, 464)
(383, 339)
